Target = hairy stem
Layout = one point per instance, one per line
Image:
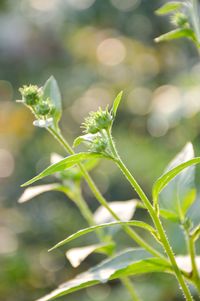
(165, 243)
(192, 253)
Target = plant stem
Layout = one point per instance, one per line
(165, 243)
(129, 285)
(102, 200)
(192, 252)
(85, 210)
(195, 18)
(87, 214)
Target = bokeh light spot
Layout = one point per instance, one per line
(44, 5)
(6, 91)
(125, 5)
(7, 163)
(8, 241)
(111, 52)
(139, 100)
(157, 126)
(81, 4)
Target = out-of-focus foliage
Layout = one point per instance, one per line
(94, 49)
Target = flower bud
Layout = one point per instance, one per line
(43, 108)
(98, 145)
(31, 95)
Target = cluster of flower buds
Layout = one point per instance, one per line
(32, 96)
(96, 127)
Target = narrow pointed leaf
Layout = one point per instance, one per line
(116, 104)
(74, 173)
(94, 228)
(51, 91)
(168, 8)
(177, 34)
(64, 164)
(130, 262)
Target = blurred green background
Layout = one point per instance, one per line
(94, 49)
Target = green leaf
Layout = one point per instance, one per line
(78, 255)
(177, 34)
(168, 8)
(32, 192)
(175, 189)
(116, 104)
(96, 227)
(129, 262)
(64, 164)
(52, 91)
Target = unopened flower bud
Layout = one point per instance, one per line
(43, 109)
(98, 145)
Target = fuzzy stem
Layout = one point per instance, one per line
(192, 253)
(163, 237)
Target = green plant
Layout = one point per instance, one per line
(173, 194)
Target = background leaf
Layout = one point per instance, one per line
(184, 263)
(176, 187)
(124, 209)
(78, 255)
(130, 262)
(32, 192)
(52, 91)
